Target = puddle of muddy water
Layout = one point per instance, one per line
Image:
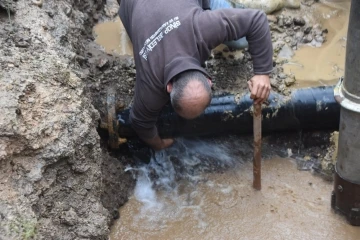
(202, 190)
(324, 65)
(113, 37)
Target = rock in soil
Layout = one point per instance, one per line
(299, 21)
(290, 81)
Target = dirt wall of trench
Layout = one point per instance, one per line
(56, 181)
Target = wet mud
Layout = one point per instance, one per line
(113, 37)
(326, 64)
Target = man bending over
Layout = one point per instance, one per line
(171, 41)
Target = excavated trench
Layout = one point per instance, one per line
(59, 179)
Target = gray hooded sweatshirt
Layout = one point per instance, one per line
(172, 36)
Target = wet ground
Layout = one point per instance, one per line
(113, 37)
(203, 190)
(326, 64)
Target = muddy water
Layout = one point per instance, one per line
(324, 65)
(222, 205)
(113, 37)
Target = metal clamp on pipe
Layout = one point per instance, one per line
(345, 98)
(112, 123)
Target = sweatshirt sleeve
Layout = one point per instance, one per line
(145, 112)
(218, 26)
(144, 129)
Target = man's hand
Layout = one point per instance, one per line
(259, 86)
(158, 144)
(166, 142)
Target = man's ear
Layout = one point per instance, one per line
(210, 82)
(169, 87)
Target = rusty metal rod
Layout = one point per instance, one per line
(257, 147)
(112, 123)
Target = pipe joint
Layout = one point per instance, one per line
(347, 100)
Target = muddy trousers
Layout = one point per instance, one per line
(221, 4)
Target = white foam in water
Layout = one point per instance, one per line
(143, 191)
(167, 185)
(226, 189)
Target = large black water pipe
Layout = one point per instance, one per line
(346, 194)
(308, 108)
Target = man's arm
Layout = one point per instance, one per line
(147, 131)
(157, 143)
(144, 114)
(223, 25)
(218, 26)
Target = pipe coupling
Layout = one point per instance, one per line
(345, 98)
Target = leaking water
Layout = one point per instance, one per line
(167, 188)
(178, 168)
(203, 190)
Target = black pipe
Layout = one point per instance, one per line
(308, 108)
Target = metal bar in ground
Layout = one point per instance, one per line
(257, 147)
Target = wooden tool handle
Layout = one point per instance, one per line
(257, 147)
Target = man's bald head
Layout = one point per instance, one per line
(190, 93)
